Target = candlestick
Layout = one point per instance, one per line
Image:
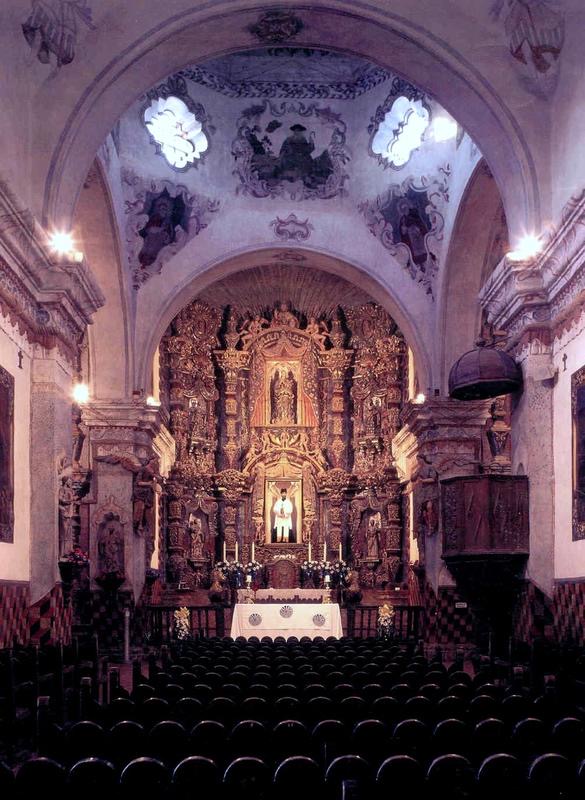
(248, 579)
(309, 551)
(324, 551)
(224, 552)
(253, 552)
(340, 551)
(236, 555)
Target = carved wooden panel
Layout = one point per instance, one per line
(485, 514)
(283, 574)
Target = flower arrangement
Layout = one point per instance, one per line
(182, 619)
(235, 572)
(386, 616)
(336, 571)
(76, 556)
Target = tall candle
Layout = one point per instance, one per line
(340, 551)
(324, 551)
(224, 553)
(236, 556)
(253, 552)
(309, 550)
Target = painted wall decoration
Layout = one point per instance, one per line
(52, 28)
(535, 30)
(275, 27)
(295, 73)
(407, 219)
(578, 415)
(291, 149)
(291, 229)
(162, 218)
(6, 456)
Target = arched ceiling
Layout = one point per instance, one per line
(312, 292)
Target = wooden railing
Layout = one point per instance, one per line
(206, 621)
(362, 621)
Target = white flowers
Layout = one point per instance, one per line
(176, 130)
(401, 131)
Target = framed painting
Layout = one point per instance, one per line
(283, 505)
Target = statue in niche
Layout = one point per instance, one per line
(196, 537)
(283, 393)
(373, 536)
(372, 415)
(110, 545)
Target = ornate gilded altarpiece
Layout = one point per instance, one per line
(266, 402)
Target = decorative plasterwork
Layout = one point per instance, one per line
(578, 417)
(161, 219)
(383, 118)
(407, 220)
(191, 126)
(276, 155)
(522, 295)
(291, 229)
(536, 33)
(50, 300)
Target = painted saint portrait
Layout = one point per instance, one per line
(283, 510)
(165, 215)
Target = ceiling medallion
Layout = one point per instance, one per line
(276, 27)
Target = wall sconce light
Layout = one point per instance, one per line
(80, 393)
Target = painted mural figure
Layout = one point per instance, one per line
(294, 162)
(52, 26)
(165, 214)
(412, 230)
(283, 510)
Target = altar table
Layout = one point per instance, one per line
(276, 595)
(284, 619)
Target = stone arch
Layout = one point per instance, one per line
(466, 267)
(352, 272)
(208, 30)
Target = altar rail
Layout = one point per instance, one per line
(362, 621)
(206, 621)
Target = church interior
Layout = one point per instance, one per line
(292, 397)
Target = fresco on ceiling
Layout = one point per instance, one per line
(290, 149)
(161, 219)
(535, 30)
(407, 220)
(295, 73)
(51, 28)
(275, 27)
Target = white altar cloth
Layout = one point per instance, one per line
(282, 619)
(323, 595)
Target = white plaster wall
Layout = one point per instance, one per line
(15, 558)
(569, 555)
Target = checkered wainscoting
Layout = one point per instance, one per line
(533, 616)
(569, 612)
(50, 619)
(444, 623)
(108, 617)
(14, 600)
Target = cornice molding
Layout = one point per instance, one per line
(50, 300)
(545, 291)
